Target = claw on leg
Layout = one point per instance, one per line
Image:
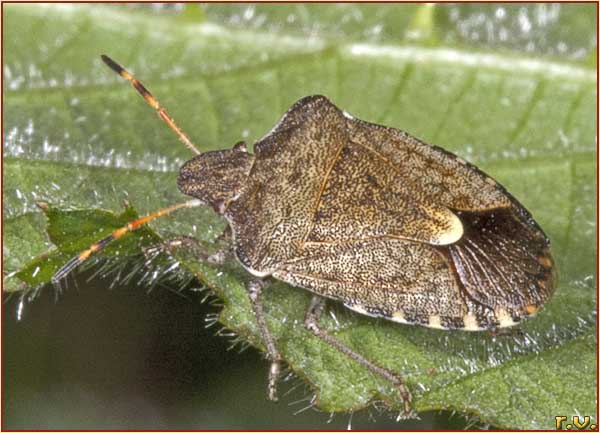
(274, 373)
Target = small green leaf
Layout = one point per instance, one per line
(521, 107)
(74, 231)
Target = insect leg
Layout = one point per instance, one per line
(151, 100)
(196, 248)
(311, 322)
(255, 288)
(102, 243)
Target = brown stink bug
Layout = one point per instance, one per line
(369, 216)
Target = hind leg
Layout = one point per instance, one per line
(311, 322)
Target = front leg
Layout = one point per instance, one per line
(311, 322)
(255, 290)
(193, 247)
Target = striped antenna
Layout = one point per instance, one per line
(151, 100)
(131, 226)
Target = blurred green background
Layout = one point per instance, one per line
(124, 358)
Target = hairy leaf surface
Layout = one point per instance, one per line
(77, 137)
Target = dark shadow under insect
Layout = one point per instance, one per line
(366, 215)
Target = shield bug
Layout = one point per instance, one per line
(369, 216)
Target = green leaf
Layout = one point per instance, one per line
(522, 108)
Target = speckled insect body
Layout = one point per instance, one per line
(369, 216)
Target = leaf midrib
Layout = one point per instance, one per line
(586, 74)
(578, 157)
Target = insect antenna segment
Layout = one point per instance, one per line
(152, 101)
(131, 226)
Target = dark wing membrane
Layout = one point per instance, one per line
(503, 261)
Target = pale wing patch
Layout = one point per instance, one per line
(453, 227)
